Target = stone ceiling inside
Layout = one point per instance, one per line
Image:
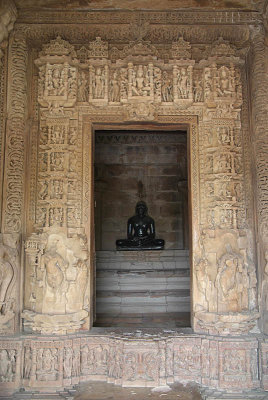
(254, 5)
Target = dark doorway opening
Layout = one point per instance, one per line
(142, 288)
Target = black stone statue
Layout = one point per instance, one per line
(140, 232)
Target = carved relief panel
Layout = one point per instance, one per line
(9, 282)
(58, 276)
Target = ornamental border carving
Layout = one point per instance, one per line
(16, 125)
(156, 17)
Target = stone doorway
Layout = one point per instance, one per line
(148, 288)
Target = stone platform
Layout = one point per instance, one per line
(137, 283)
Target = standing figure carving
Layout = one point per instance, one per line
(54, 267)
(8, 273)
(114, 88)
(232, 282)
(57, 267)
(183, 84)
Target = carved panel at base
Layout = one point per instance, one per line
(132, 359)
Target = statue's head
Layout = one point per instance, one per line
(141, 208)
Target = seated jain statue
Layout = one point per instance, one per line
(140, 232)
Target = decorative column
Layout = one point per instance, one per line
(259, 115)
(13, 183)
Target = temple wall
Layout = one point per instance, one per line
(152, 68)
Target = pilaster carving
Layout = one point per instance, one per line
(14, 159)
(259, 87)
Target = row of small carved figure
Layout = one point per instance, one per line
(147, 81)
(98, 360)
(52, 364)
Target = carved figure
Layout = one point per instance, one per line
(76, 362)
(72, 135)
(57, 161)
(27, 363)
(198, 91)
(123, 83)
(55, 216)
(183, 84)
(167, 88)
(114, 88)
(82, 88)
(157, 83)
(99, 84)
(54, 286)
(140, 232)
(265, 284)
(225, 82)
(67, 364)
(6, 276)
(43, 190)
(140, 78)
(7, 20)
(57, 134)
(58, 279)
(232, 282)
(72, 83)
(6, 368)
(47, 364)
(204, 283)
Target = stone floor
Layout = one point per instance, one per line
(105, 391)
(154, 320)
(108, 391)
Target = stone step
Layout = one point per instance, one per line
(145, 320)
(139, 282)
(128, 260)
(115, 280)
(143, 301)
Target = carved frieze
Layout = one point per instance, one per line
(129, 360)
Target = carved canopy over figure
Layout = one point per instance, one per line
(140, 232)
